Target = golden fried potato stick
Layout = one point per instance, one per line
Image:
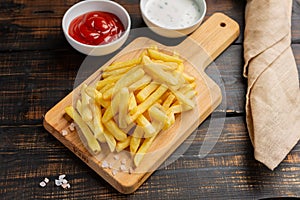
(110, 140)
(123, 107)
(113, 128)
(146, 91)
(182, 99)
(108, 114)
(157, 55)
(124, 64)
(115, 72)
(142, 107)
(109, 80)
(142, 150)
(129, 78)
(97, 120)
(123, 145)
(132, 102)
(188, 78)
(168, 102)
(86, 112)
(145, 80)
(92, 142)
(148, 128)
(136, 138)
(157, 73)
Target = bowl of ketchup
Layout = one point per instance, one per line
(96, 27)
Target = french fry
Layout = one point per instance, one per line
(110, 140)
(122, 145)
(123, 107)
(86, 112)
(97, 121)
(92, 142)
(142, 150)
(146, 125)
(142, 107)
(132, 102)
(129, 78)
(123, 64)
(136, 139)
(188, 78)
(168, 102)
(116, 72)
(146, 91)
(157, 114)
(113, 128)
(180, 67)
(157, 73)
(145, 80)
(109, 80)
(188, 102)
(108, 114)
(157, 55)
(108, 93)
(106, 87)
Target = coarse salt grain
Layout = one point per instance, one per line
(46, 180)
(64, 132)
(62, 176)
(105, 164)
(72, 126)
(64, 181)
(43, 184)
(114, 172)
(58, 182)
(123, 168)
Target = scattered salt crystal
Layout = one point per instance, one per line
(64, 132)
(105, 164)
(123, 168)
(72, 126)
(43, 184)
(64, 181)
(116, 157)
(123, 161)
(68, 185)
(46, 180)
(58, 182)
(114, 172)
(62, 176)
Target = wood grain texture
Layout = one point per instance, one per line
(38, 68)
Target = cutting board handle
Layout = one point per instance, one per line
(215, 35)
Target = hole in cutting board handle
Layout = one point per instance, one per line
(223, 24)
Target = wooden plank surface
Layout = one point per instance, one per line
(38, 68)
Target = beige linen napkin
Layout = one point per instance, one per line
(273, 96)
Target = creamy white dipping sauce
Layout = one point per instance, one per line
(174, 14)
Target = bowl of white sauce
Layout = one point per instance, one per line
(173, 18)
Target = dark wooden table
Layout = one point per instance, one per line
(38, 68)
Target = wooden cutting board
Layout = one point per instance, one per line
(214, 36)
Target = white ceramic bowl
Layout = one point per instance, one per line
(158, 22)
(96, 5)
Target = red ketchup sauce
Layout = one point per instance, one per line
(97, 27)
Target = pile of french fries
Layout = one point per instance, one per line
(133, 102)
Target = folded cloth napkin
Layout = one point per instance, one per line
(273, 95)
